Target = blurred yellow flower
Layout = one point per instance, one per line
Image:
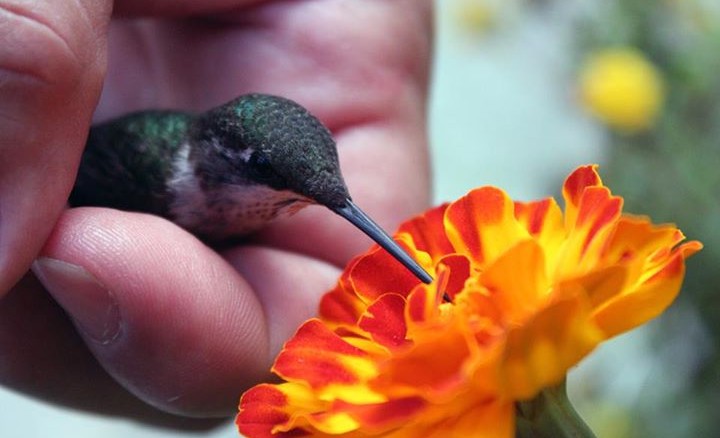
(522, 292)
(621, 87)
(475, 15)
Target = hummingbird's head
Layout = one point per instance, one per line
(271, 141)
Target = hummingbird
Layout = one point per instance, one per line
(223, 173)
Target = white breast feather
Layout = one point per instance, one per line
(236, 210)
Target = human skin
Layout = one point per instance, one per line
(126, 310)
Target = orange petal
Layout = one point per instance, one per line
(483, 316)
(638, 234)
(380, 417)
(517, 281)
(539, 353)
(492, 419)
(637, 306)
(482, 224)
(639, 244)
(598, 209)
(690, 248)
(423, 303)
(436, 365)
(596, 219)
(544, 221)
(598, 286)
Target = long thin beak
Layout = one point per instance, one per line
(357, 217)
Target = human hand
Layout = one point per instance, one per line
(174, 323)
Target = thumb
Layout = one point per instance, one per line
(52, 63)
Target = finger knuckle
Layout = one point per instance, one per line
(37, 45)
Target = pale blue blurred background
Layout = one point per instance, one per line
(503, 112)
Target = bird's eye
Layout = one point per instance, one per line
(260, 164)
(262, 171)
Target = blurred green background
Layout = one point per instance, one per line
(524, 91)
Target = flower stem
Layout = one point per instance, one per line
(550, 415)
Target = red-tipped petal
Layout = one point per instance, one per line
(262, 408)
(428, 232)
(385, 321)
(341, 307)
(482, 224)
(378, 273)
(575, 185)
(315, 355)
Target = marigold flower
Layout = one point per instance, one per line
(521, 293)
(622, 88)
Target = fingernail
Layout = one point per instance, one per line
(91, 305)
